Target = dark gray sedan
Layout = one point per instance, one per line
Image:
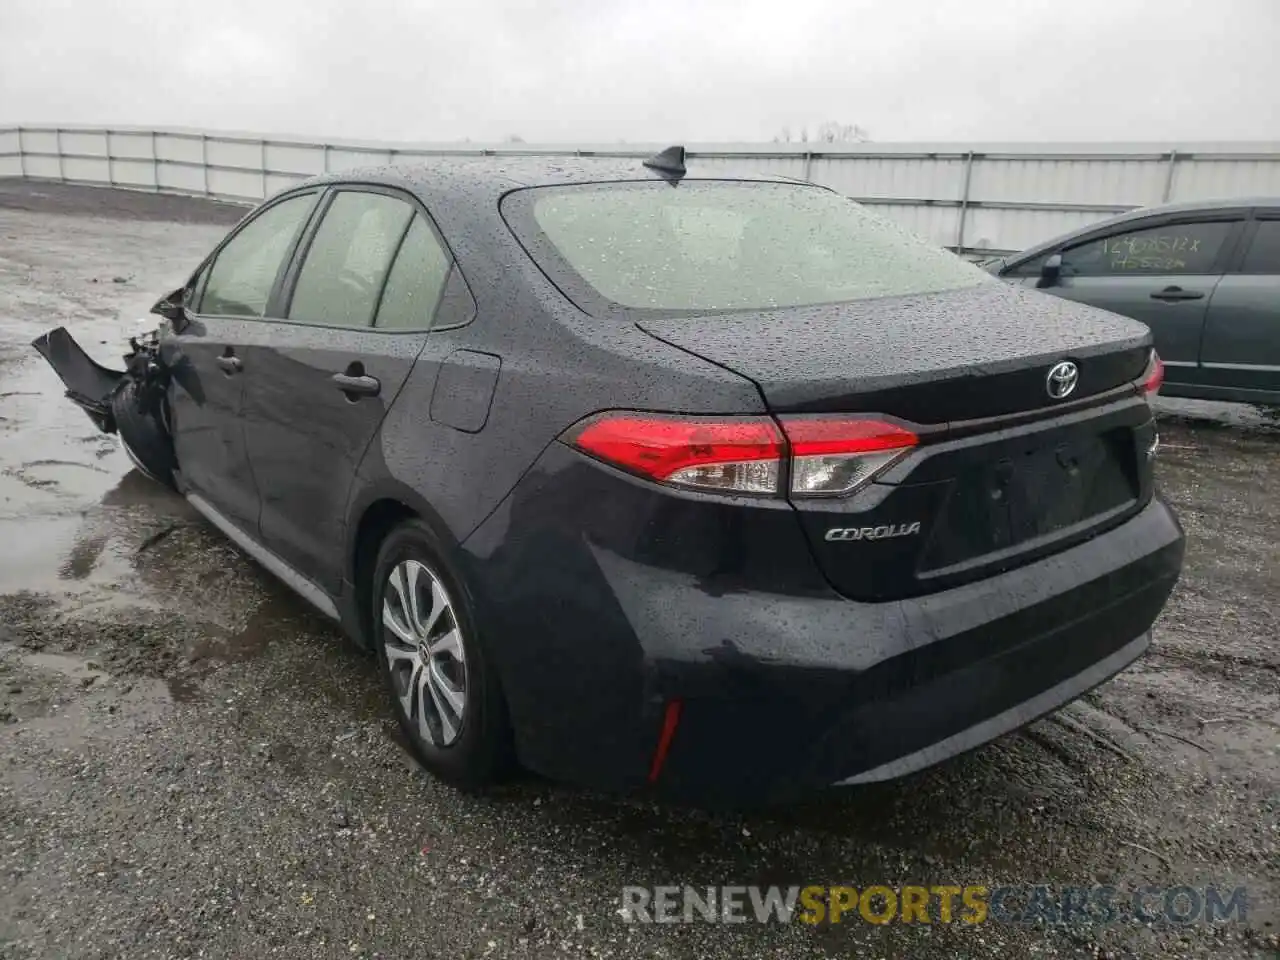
(720, 488)
(1205, 277)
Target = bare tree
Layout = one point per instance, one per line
(830, 132)
(833, 132)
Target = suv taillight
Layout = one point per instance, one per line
(826, 456)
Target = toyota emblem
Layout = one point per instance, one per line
(1062, 380)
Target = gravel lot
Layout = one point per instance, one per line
(191, 764)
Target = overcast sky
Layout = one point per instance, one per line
(651, 70)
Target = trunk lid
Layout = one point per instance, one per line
(1004, 475)
(979, 352)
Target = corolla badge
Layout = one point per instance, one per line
(873, 533)
(1062, 380)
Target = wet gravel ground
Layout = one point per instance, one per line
(191, 764)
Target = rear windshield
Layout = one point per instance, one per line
(709, 246)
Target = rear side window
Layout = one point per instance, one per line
(415, 282)
(707, 246)
(244, 272)
(1171, 248)
(1263, 255)
(347, 262)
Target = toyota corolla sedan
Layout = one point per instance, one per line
(719, 487)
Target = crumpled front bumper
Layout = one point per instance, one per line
(88, 384)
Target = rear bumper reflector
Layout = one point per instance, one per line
(670, 720)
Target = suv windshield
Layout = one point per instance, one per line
(708, 246)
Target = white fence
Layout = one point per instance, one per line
(973, 198)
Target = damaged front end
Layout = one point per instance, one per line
(133, 403)
(92, 386)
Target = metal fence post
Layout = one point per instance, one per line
(111, 169)
(1168, 177)
(964, 202)
(808, 164)
(155, 163)
(204, 161)
(22, 157)
(57, 143)
(262, 153)
(326, 158)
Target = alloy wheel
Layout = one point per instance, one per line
(426, 652)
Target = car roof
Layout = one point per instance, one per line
(485, 179)
(1142, 213)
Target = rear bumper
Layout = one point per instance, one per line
(785, 694)
(1008, 720)
(851, 693)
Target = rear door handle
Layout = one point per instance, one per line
(230, 365)
(1170, 294)
(357, 386)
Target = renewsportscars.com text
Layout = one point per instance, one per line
(944, 903)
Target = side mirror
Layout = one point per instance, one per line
(172, 307)
(1050, 272)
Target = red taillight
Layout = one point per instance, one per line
(833, 456)
(810, 436)
(1154, 375)
(732, 454)
(829, 456)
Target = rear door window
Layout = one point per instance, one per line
(416, 280)
(1263, 255)
(347, 261)
(244, 272)
(1174, 248)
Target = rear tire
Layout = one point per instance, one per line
(444, 690)
(144, 437)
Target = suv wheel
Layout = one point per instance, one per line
(445, 694)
